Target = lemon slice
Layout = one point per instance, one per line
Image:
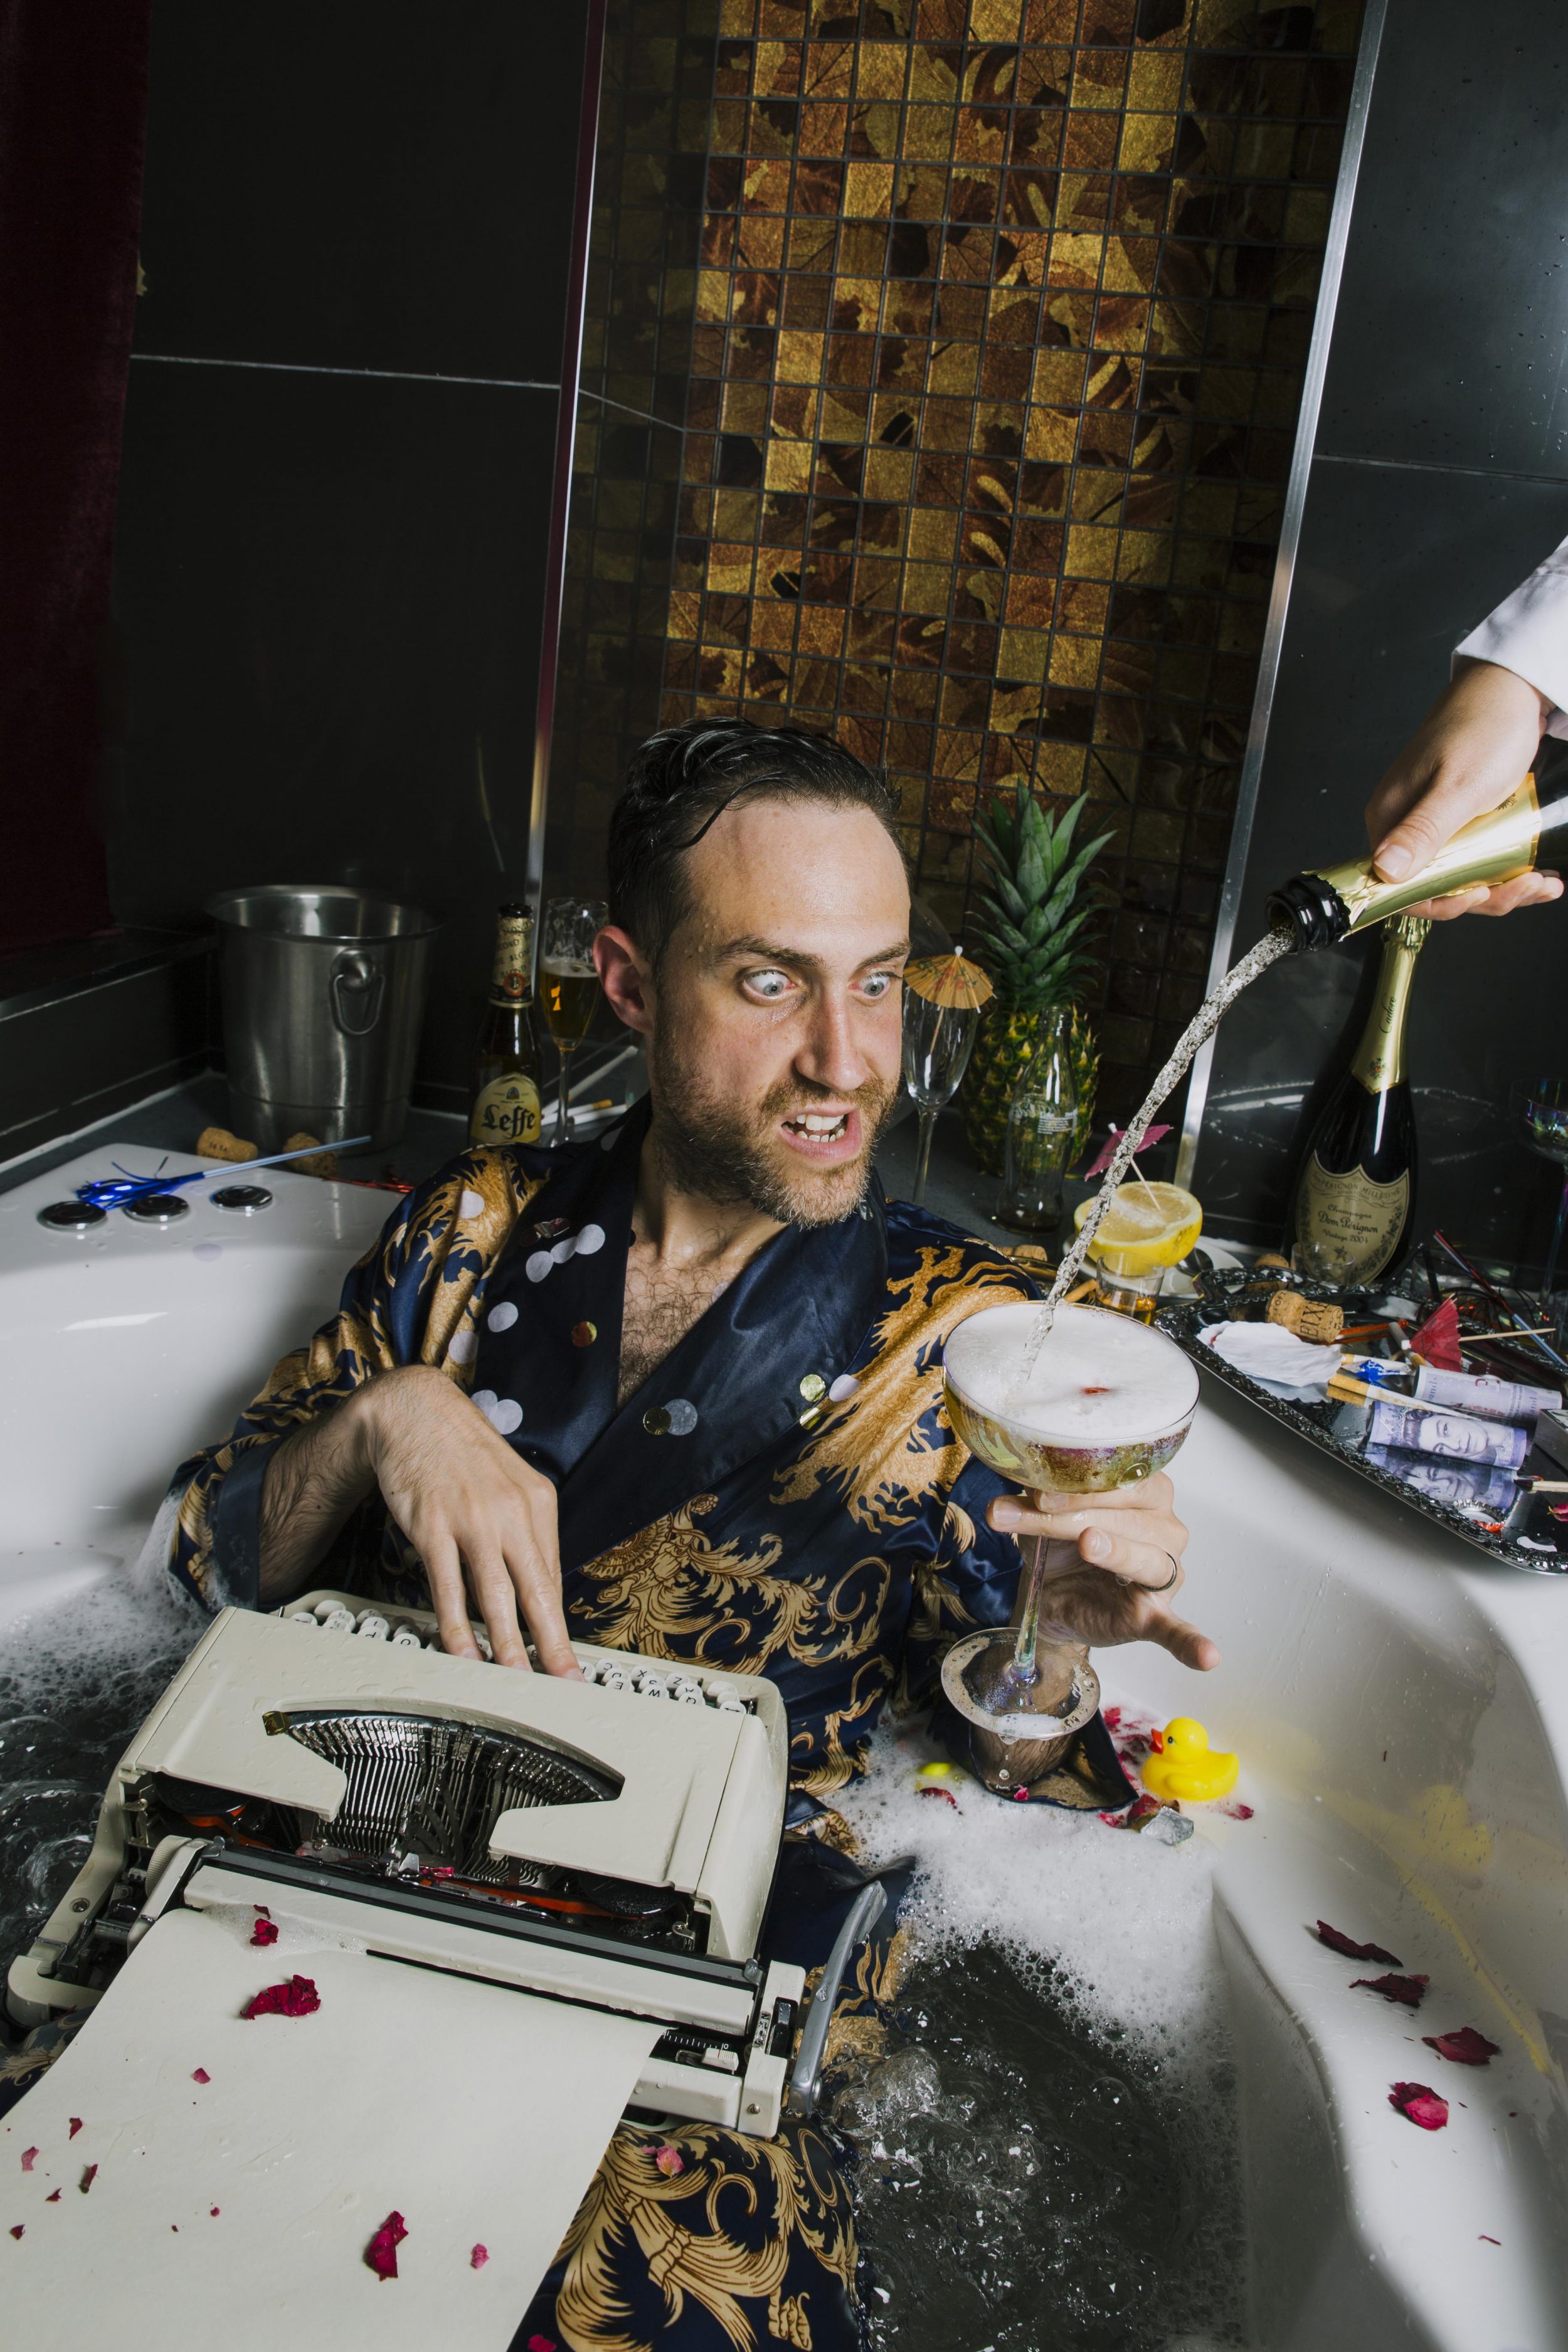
(1146, 1226)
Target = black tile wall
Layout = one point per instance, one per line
(330, 570)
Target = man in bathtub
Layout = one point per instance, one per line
(679, 1390)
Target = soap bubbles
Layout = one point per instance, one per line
(77, 1682)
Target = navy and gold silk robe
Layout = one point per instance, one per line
(783, 1497)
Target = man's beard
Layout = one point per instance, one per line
(728, 1152)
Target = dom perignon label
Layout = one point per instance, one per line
(1349, 1226)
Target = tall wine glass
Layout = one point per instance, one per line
(944, 998)
(568, 982)
(1028, 1686)
(1540, 1106)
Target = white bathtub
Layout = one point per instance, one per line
(1400, 1703)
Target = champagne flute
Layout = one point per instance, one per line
(944, 998)
(1113, 1403)
(568, 982)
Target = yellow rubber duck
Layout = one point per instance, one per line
(1182, 1768)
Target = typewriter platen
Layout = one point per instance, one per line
(609, 1843)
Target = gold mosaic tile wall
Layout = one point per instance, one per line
(995, 345)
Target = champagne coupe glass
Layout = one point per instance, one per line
(1029, 1685)
(1540, 1106)
(944, 998)
(568, 982)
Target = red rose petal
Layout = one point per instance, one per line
(75, 2126)
(1419, 2105)
(1112, 1717)
(88, 2178)
(264, 1932)
(295, 1997)
(669, 2160)
(214, 2211)
(53, 2198)
(262, 1910)
(1337, 1941)
(1236, 1812)
(201, 2075)
(1489, 2241)
(28, 2156)
(946, 1793)
(478, 2258)
(1410, 1990)
(543, 2343)
(18, 2230)
(1466, 2047)
(381, 2252)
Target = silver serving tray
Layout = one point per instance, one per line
(1527, 1538)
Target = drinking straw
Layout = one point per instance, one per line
(119, 1190)
(1520, 1329)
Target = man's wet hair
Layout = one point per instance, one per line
(679, 783)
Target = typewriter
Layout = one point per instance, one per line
(610, 1844)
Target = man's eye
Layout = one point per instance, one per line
(877, 984)
(769, 984)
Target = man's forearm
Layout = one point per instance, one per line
(313, 1481)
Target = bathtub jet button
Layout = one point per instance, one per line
(157, 1209)
(241, 1200)
(71, 1217)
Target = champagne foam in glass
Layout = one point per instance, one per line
(1103, 1402)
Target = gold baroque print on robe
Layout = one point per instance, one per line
(889, 1447)
(669, 1591)
(835, 1767)
(722, 2231)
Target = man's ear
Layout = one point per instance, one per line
(626, 978)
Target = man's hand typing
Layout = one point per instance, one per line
(1115, 1565)
(480, 1518)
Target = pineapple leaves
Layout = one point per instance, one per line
(1038, 897)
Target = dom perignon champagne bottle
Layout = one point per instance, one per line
(1355, 1197)
(507, 1070)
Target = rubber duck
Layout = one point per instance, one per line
(1182, 1767)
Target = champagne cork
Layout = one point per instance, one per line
(1314, 1319)
(217, 1143)
(323, 1162)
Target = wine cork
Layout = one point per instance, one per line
(1272, 1260)
(1314, 1319)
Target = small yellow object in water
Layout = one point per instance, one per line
(934, 1772)
(1183, 1766)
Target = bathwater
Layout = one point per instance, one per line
(75, 1683)
(1045, 2157)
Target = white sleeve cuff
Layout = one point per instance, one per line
(1528, 634)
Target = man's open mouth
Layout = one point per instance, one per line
(819, 1127)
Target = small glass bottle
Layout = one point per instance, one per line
(508, 1071)
(1041, 1120)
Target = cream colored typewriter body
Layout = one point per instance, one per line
(609, 1843)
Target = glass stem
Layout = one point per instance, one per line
(1552, 1254)
(922, 1156)
(1027, 1640)
(562, 1119)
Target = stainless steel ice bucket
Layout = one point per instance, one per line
(323, 990)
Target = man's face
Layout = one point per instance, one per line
(774, 1016)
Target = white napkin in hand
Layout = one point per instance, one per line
(1266, 1351)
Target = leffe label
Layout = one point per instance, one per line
(506, 1111)
(1348, 1227)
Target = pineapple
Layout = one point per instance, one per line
(1028, 933)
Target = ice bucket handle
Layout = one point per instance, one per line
(356, 991)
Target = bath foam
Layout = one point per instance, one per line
(1120, 1923)
(1098, 1379)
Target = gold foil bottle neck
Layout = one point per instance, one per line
(1496, 848)
(512, 978)
(1379, 1061)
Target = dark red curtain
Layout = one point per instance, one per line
(73, 111)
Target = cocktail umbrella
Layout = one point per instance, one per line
(950, 981)
(942, 999)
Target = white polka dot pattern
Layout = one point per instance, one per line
(590, 1240)
(537, 1266)
(503, 1414)
(472, 1203)
(501, 1316)
(463, 1347)
(565, 1248)
(844, 1386)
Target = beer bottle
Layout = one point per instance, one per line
(507, 1070)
